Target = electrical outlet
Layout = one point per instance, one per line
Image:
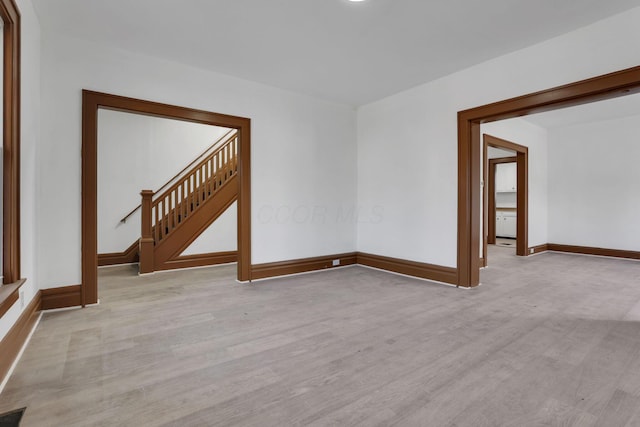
(336, 262)
(531, 250)
(21, 298)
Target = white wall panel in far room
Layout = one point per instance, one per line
(594, 199)
(221, 236)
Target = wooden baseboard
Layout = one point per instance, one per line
(16, 337)
(410, 268)
(283, 268)
(129, 256)
(199, 260)
(538, 249)
(67, 296)
(616, 253)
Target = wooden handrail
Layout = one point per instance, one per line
(195, 169)
(221, 141)
(180, 200)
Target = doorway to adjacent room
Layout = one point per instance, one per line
(505, 195)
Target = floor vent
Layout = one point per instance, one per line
(12, 418)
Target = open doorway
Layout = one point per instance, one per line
(505, 195)
(92, 103)
(607, 86)
(139, 152)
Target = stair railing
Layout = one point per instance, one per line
(204, 179)
(162, 214)
(221, 141)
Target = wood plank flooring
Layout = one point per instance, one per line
(551, 339)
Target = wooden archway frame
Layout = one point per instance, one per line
(599, 88)
(91, 102)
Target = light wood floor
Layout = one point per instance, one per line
(552, 339)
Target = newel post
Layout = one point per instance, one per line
(146, 234)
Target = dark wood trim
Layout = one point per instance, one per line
(11, 142)
(9, 294)
(146, 246)
(607, 86)
(410, 268)
(13, 342)
(244, 201)
(538, 249)
(586, 250)
(489, 214)
(129, 256)
(283, 268)
(91, 102)
(495, 142)
(501, 160)
(488, 199)
(468, 264)
(522, 203)
(200, 260)
(63, 297)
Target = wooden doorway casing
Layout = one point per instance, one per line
(522, 194)
(620, 83)
(91, 103)
(10, 16)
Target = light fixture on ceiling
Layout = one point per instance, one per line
(356, 0)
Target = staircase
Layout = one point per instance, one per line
(173, 219)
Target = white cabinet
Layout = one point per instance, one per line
(510, 226)
(506, 177)
(500, 225)
(506, 222)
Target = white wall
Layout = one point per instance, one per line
(496, 153)
(221, 236)
(30, 135)
(303, 151)
(593, 184)
(137, 152)
(407, 143)
(535, 138)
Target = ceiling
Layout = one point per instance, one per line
(623, 106)
(347, 52)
